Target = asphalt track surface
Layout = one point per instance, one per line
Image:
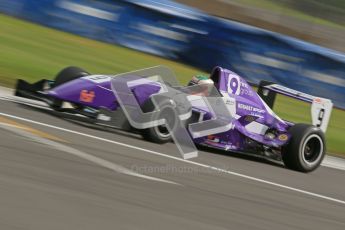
(57, 174)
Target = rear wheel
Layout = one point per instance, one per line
(306, 149)
(68, 74)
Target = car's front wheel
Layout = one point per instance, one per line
(306, 149)
(65, 75)
(68, 74)
(160, 134)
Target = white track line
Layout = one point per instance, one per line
(334, 162)
(66, 149)
(180, 159)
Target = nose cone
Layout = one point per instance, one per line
(85, 92)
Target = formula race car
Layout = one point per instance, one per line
(253, 128)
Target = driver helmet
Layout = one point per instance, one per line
(200, 80)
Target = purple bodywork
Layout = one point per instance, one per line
(253, 124)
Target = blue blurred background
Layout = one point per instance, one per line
(175, 31)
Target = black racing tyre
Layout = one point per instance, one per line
(68, 74)
(306, 149)
(160, 134)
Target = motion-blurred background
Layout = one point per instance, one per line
(294, 43)
(318, 21)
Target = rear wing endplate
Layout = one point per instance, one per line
(321, 108)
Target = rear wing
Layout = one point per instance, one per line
(321, 108)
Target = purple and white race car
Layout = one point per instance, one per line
(253, 127)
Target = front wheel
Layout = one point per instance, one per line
(306, 149)
(69, 74)
(66, 75)
(160, 134)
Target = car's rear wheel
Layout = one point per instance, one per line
(69, 74)
(306, 149)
